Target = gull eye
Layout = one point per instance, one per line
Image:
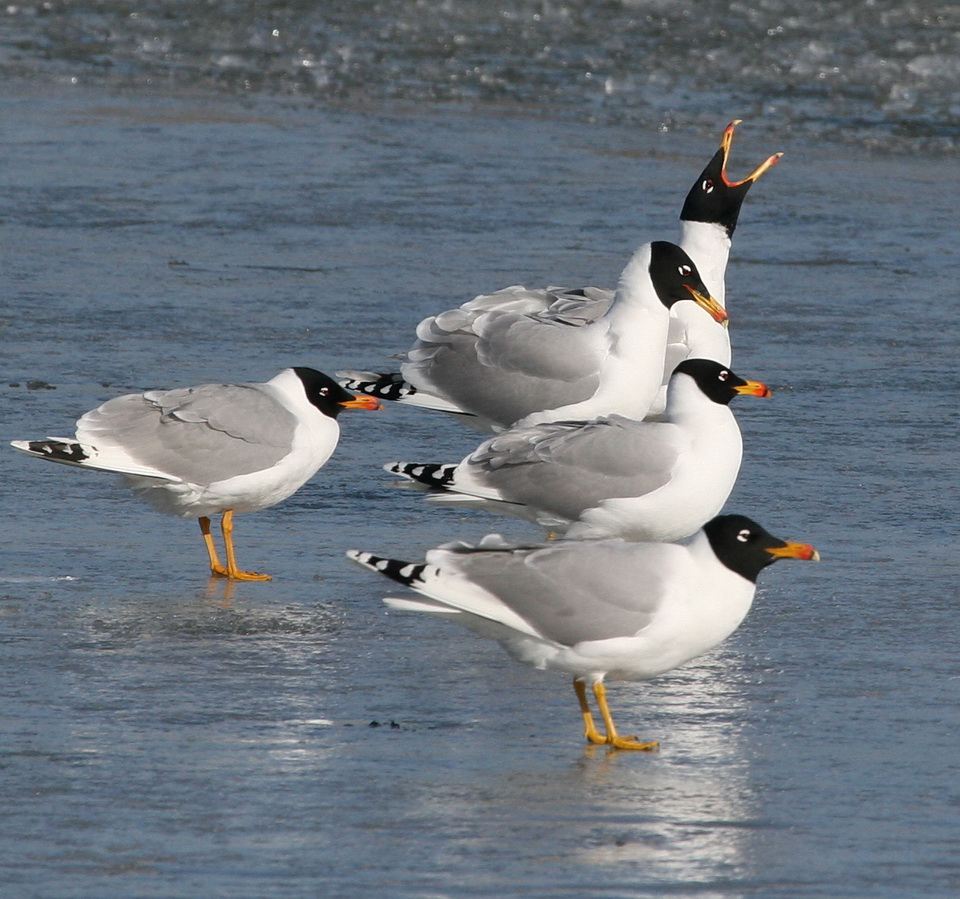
(323, 391)
(707, 186)
(744, 535)
(724, 375)
(685, 270)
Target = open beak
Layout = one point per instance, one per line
(705, 301)
(362, 402)
(726, 141)
(795, 551)
(754, 388)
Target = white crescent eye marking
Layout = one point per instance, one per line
(323, 391)
(724, 375)
(744, 535)
(685, 270)
(707, 186)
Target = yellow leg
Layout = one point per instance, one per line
(234, 573)
(589, 728)
(216, 568)
(617, 742)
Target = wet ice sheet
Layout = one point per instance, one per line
(162, 734)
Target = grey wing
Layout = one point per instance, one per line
(243, 411)
(525, 300)
(197, 434)
(567, 467)
(578, 305)
(575, 592)
(503, 365)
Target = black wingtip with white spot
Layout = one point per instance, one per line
(437, 475)
(383, 385)
(54, 450)
(409, 574)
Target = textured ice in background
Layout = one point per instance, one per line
(879, 73)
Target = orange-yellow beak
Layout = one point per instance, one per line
(726, 141)
(362, 402)
(707, 302)
(795, 551)
(754, 388)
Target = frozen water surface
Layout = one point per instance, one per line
(164, 735)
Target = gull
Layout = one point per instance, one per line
(214, 448)
(453, 367)
(514, 367)
(597, 609)
(612, 476)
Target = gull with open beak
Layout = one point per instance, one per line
(451, 367)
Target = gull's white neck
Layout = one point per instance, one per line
(637, 316)
(708, 245)
(703, 337)
(636, 332)
(689, 406)
(631, 339)
(289, 390)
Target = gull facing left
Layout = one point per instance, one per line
(212, 449)
(597, 609)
